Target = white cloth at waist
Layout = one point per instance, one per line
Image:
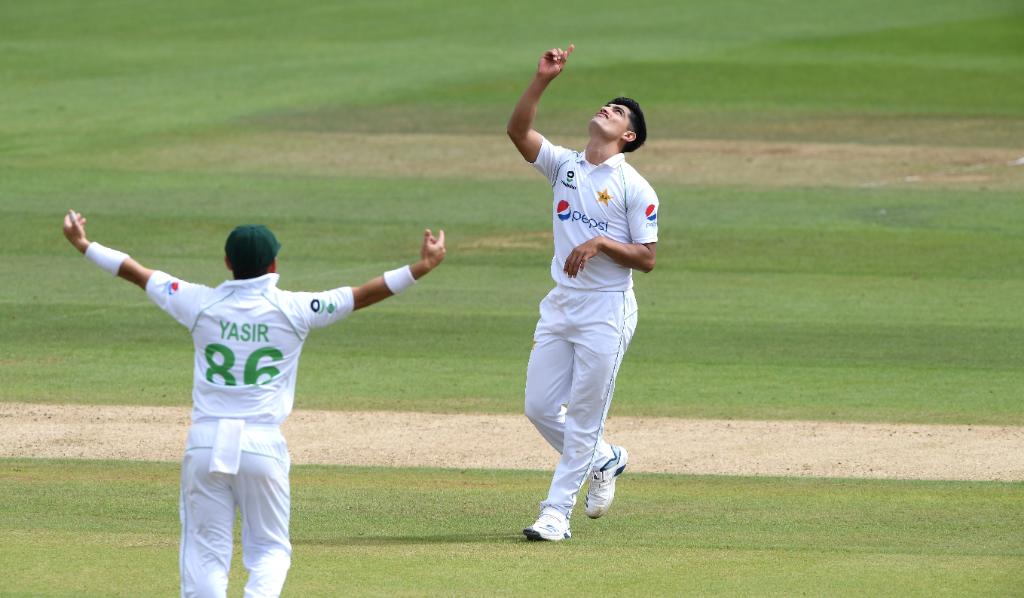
(260, 439)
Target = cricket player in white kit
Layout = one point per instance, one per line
(248, 336)
(605, 221)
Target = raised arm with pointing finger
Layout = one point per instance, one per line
(520, 125)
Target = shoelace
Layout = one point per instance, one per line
(604, 477)
(549, 521)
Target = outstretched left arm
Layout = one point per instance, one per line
(129, 269)
(638, 256)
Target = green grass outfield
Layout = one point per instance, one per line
(378, 532)
(896, 300)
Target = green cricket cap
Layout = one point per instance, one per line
(251, 248)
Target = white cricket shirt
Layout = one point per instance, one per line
(609, 200)
(248, 336)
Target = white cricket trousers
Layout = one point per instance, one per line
(260, 491)
(578, 346)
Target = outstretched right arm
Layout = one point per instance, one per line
(432, 253)
(113, 261)
(520, 124)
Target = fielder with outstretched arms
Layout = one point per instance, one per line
(605, 221)
(248, 335)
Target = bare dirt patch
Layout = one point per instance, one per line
(664, 445)
(524, 241)
(491, 157)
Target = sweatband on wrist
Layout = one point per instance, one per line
(399, 280)
(105, 257)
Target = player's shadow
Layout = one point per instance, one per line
(409, 540)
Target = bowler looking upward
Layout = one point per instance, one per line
(605, 221)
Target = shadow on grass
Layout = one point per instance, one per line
(411, 540)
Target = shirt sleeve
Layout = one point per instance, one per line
(642, 208)
(550, 158)
(177, 297)
(324, 308)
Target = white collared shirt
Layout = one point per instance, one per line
(248, 336)
(609, 200)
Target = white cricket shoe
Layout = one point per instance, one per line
(551, 526)
(602, 483)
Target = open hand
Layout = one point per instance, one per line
(432, 252)
(74, 230)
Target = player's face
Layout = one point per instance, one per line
(612, 122)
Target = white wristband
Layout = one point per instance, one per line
(399, 280)
(105, 257)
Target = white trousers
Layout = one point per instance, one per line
(260, 491)
(578, 346)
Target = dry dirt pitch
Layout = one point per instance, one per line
(663, 445)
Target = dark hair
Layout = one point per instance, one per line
(247, 274)
(637, 124)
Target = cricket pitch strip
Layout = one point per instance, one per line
(656, 444)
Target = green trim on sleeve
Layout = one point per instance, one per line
(201, 311)
(286, 318)
(625, 189)
(554, 175)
